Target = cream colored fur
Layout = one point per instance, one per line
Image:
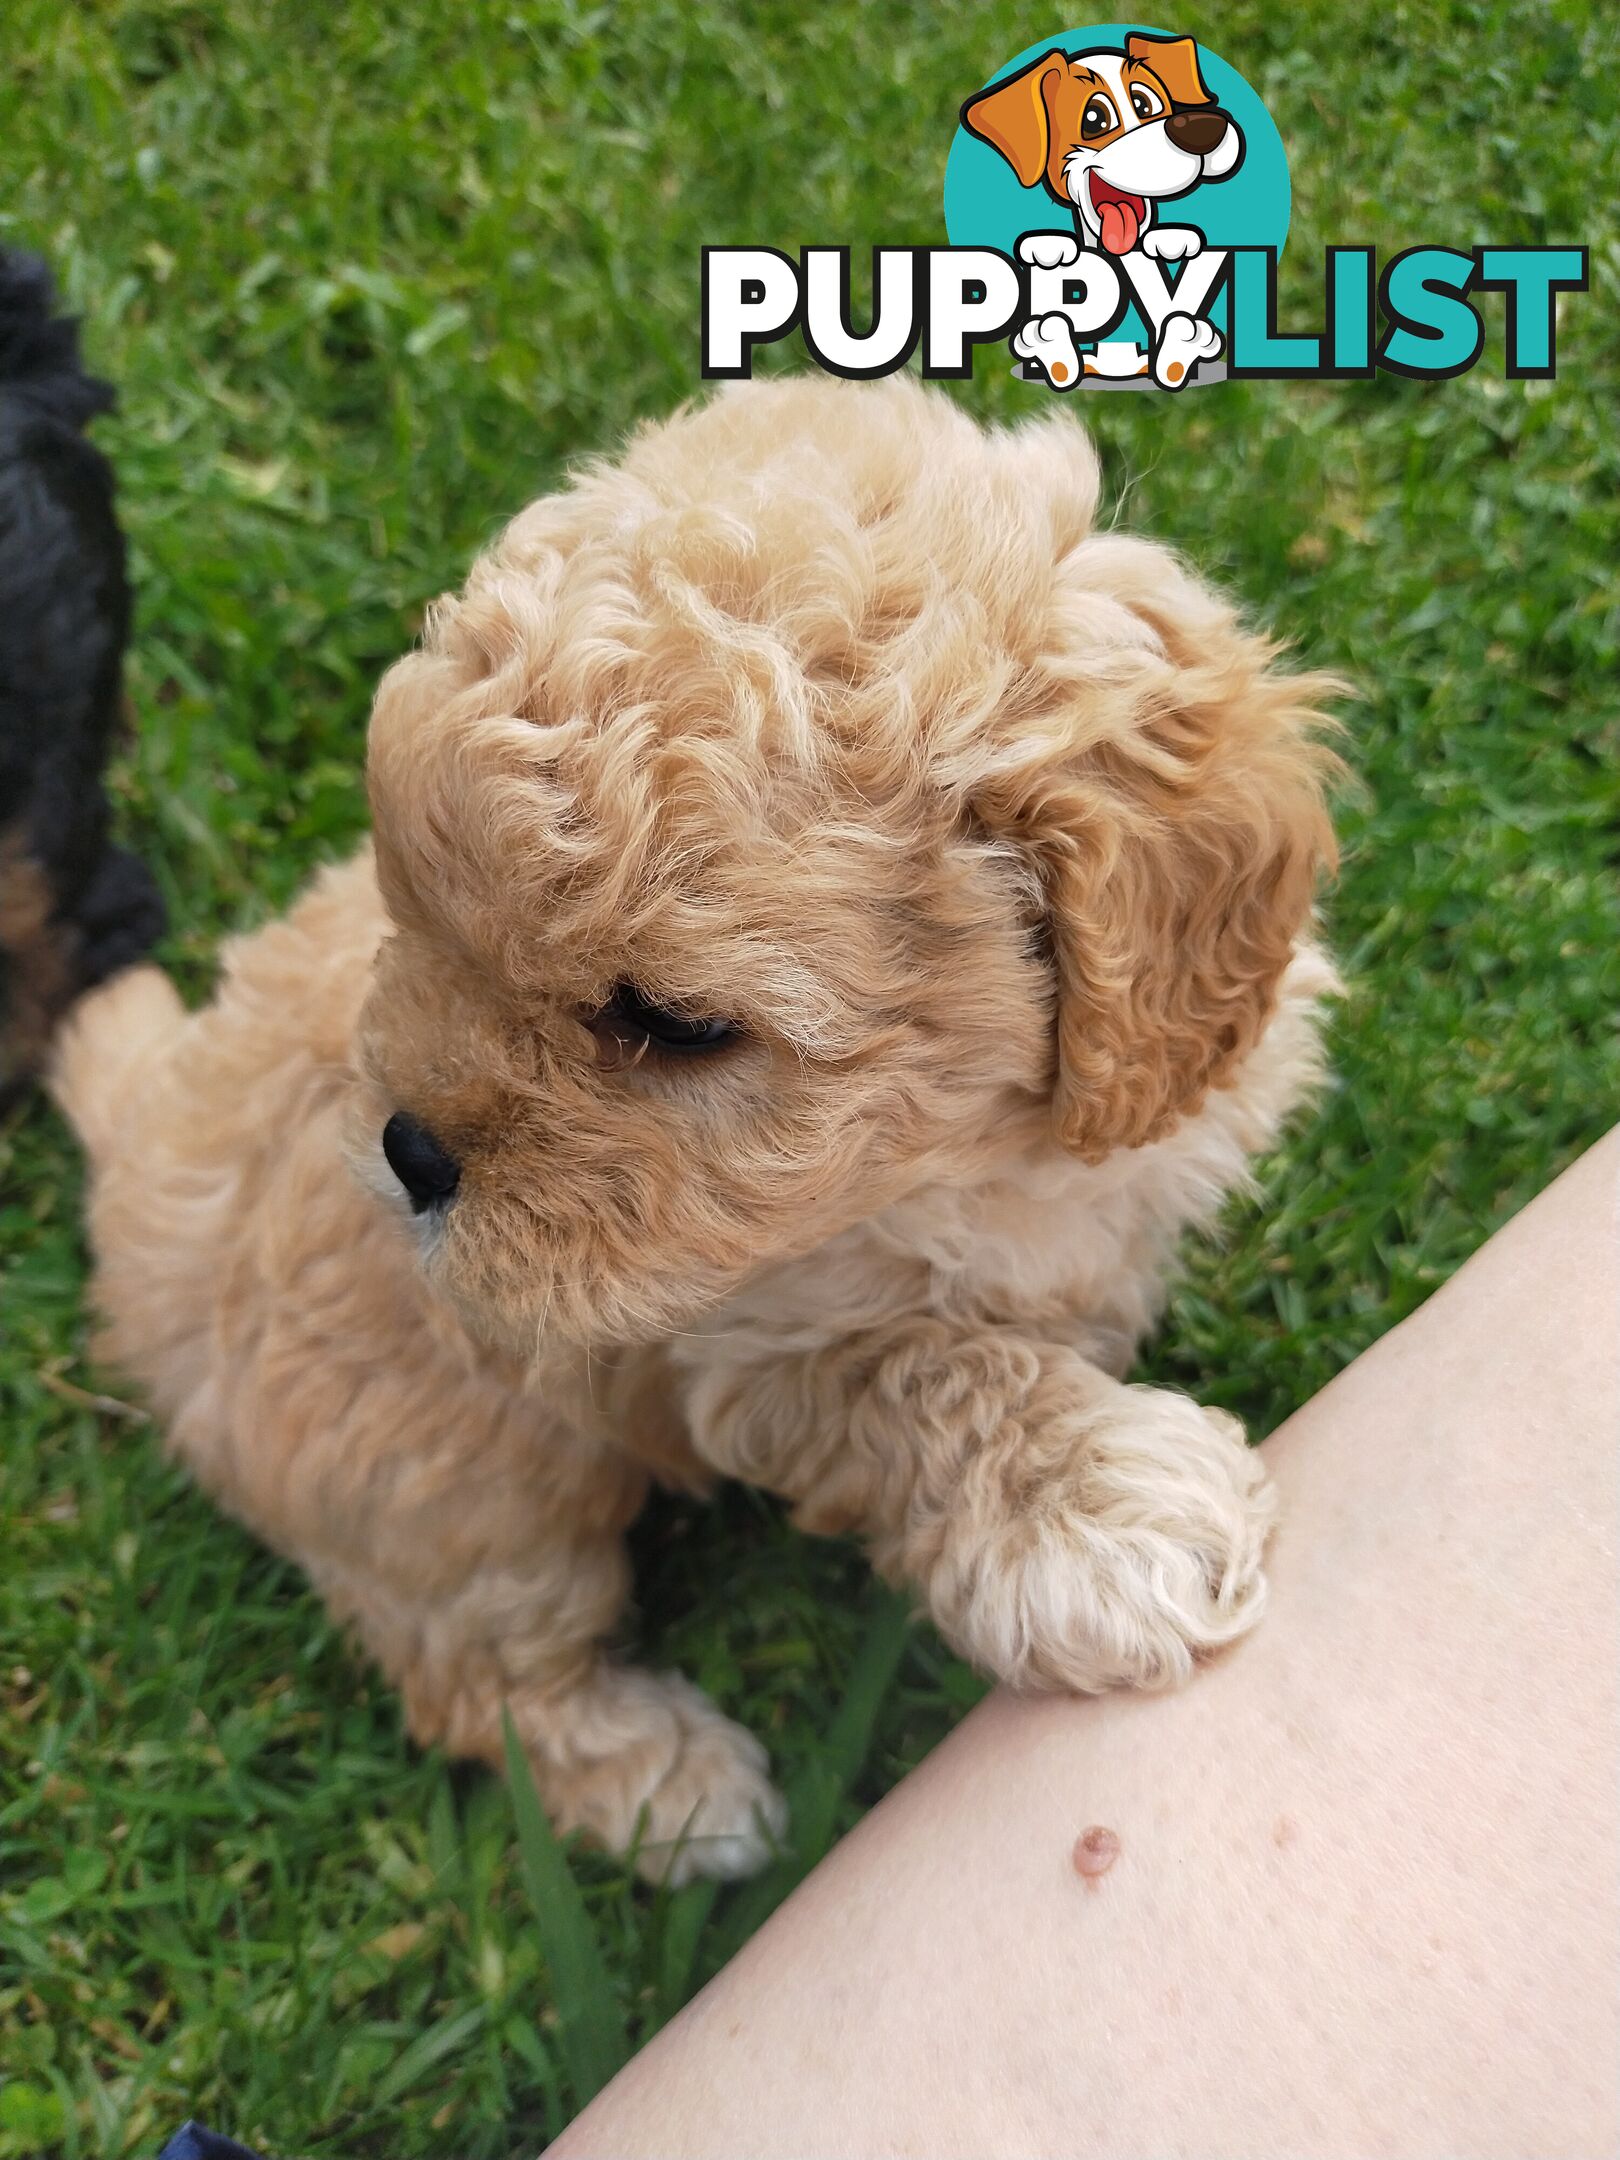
(825, 711)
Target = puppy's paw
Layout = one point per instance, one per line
(1183, 342)
(715, 1812)
(1049, 342)
(1048, 250)
(662, 1772)
(1172, 243)
(1144, 1555)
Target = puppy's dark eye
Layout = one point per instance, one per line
(627, 1012)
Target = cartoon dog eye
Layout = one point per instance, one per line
(1146, 103)
(1099, 117)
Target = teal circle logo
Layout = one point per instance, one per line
(1133, 141)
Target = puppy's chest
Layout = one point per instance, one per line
(631, 1402)
(1052, 1245)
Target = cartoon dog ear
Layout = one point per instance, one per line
(1175, 61)
(1172, 804)
(1012, 117)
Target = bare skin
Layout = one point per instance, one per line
(1363, 1892)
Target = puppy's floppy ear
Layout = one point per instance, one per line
(1012, 117)
(1172, 799)
(1175, 61)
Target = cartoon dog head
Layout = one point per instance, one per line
(807, 807)
(1109, 134)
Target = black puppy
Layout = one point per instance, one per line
(73, 908)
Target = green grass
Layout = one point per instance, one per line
(368, 277)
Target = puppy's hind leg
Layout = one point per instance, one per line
(637, 1760)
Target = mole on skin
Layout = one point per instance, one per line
(1095, 1851)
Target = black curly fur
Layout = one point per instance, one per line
(73, 908)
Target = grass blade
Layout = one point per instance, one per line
(591, 2032)
(449, 2037)
(687, 1914)
(849, 1737)
(816, 1794)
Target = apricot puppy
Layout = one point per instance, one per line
(836, 917)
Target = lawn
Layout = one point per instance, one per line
(368, 277)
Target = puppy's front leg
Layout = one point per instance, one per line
(630, 1757)
(1067, 1531)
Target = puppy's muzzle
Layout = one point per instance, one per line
(426, 1169)
(1198, 133)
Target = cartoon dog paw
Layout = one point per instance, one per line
(1049, 342)
(1183, 342)
(1049, 250)
(1172, 243)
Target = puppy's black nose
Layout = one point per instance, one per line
(1198, 133)
(428, 1172)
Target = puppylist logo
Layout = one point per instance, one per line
(1116, 202)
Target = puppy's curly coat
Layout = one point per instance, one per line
(826, 714)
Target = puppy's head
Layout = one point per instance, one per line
(1110, 133)
(806, 807)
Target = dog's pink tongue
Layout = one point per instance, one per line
(1120, 226)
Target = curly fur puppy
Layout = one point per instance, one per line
(73, 908)
(836, 917)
